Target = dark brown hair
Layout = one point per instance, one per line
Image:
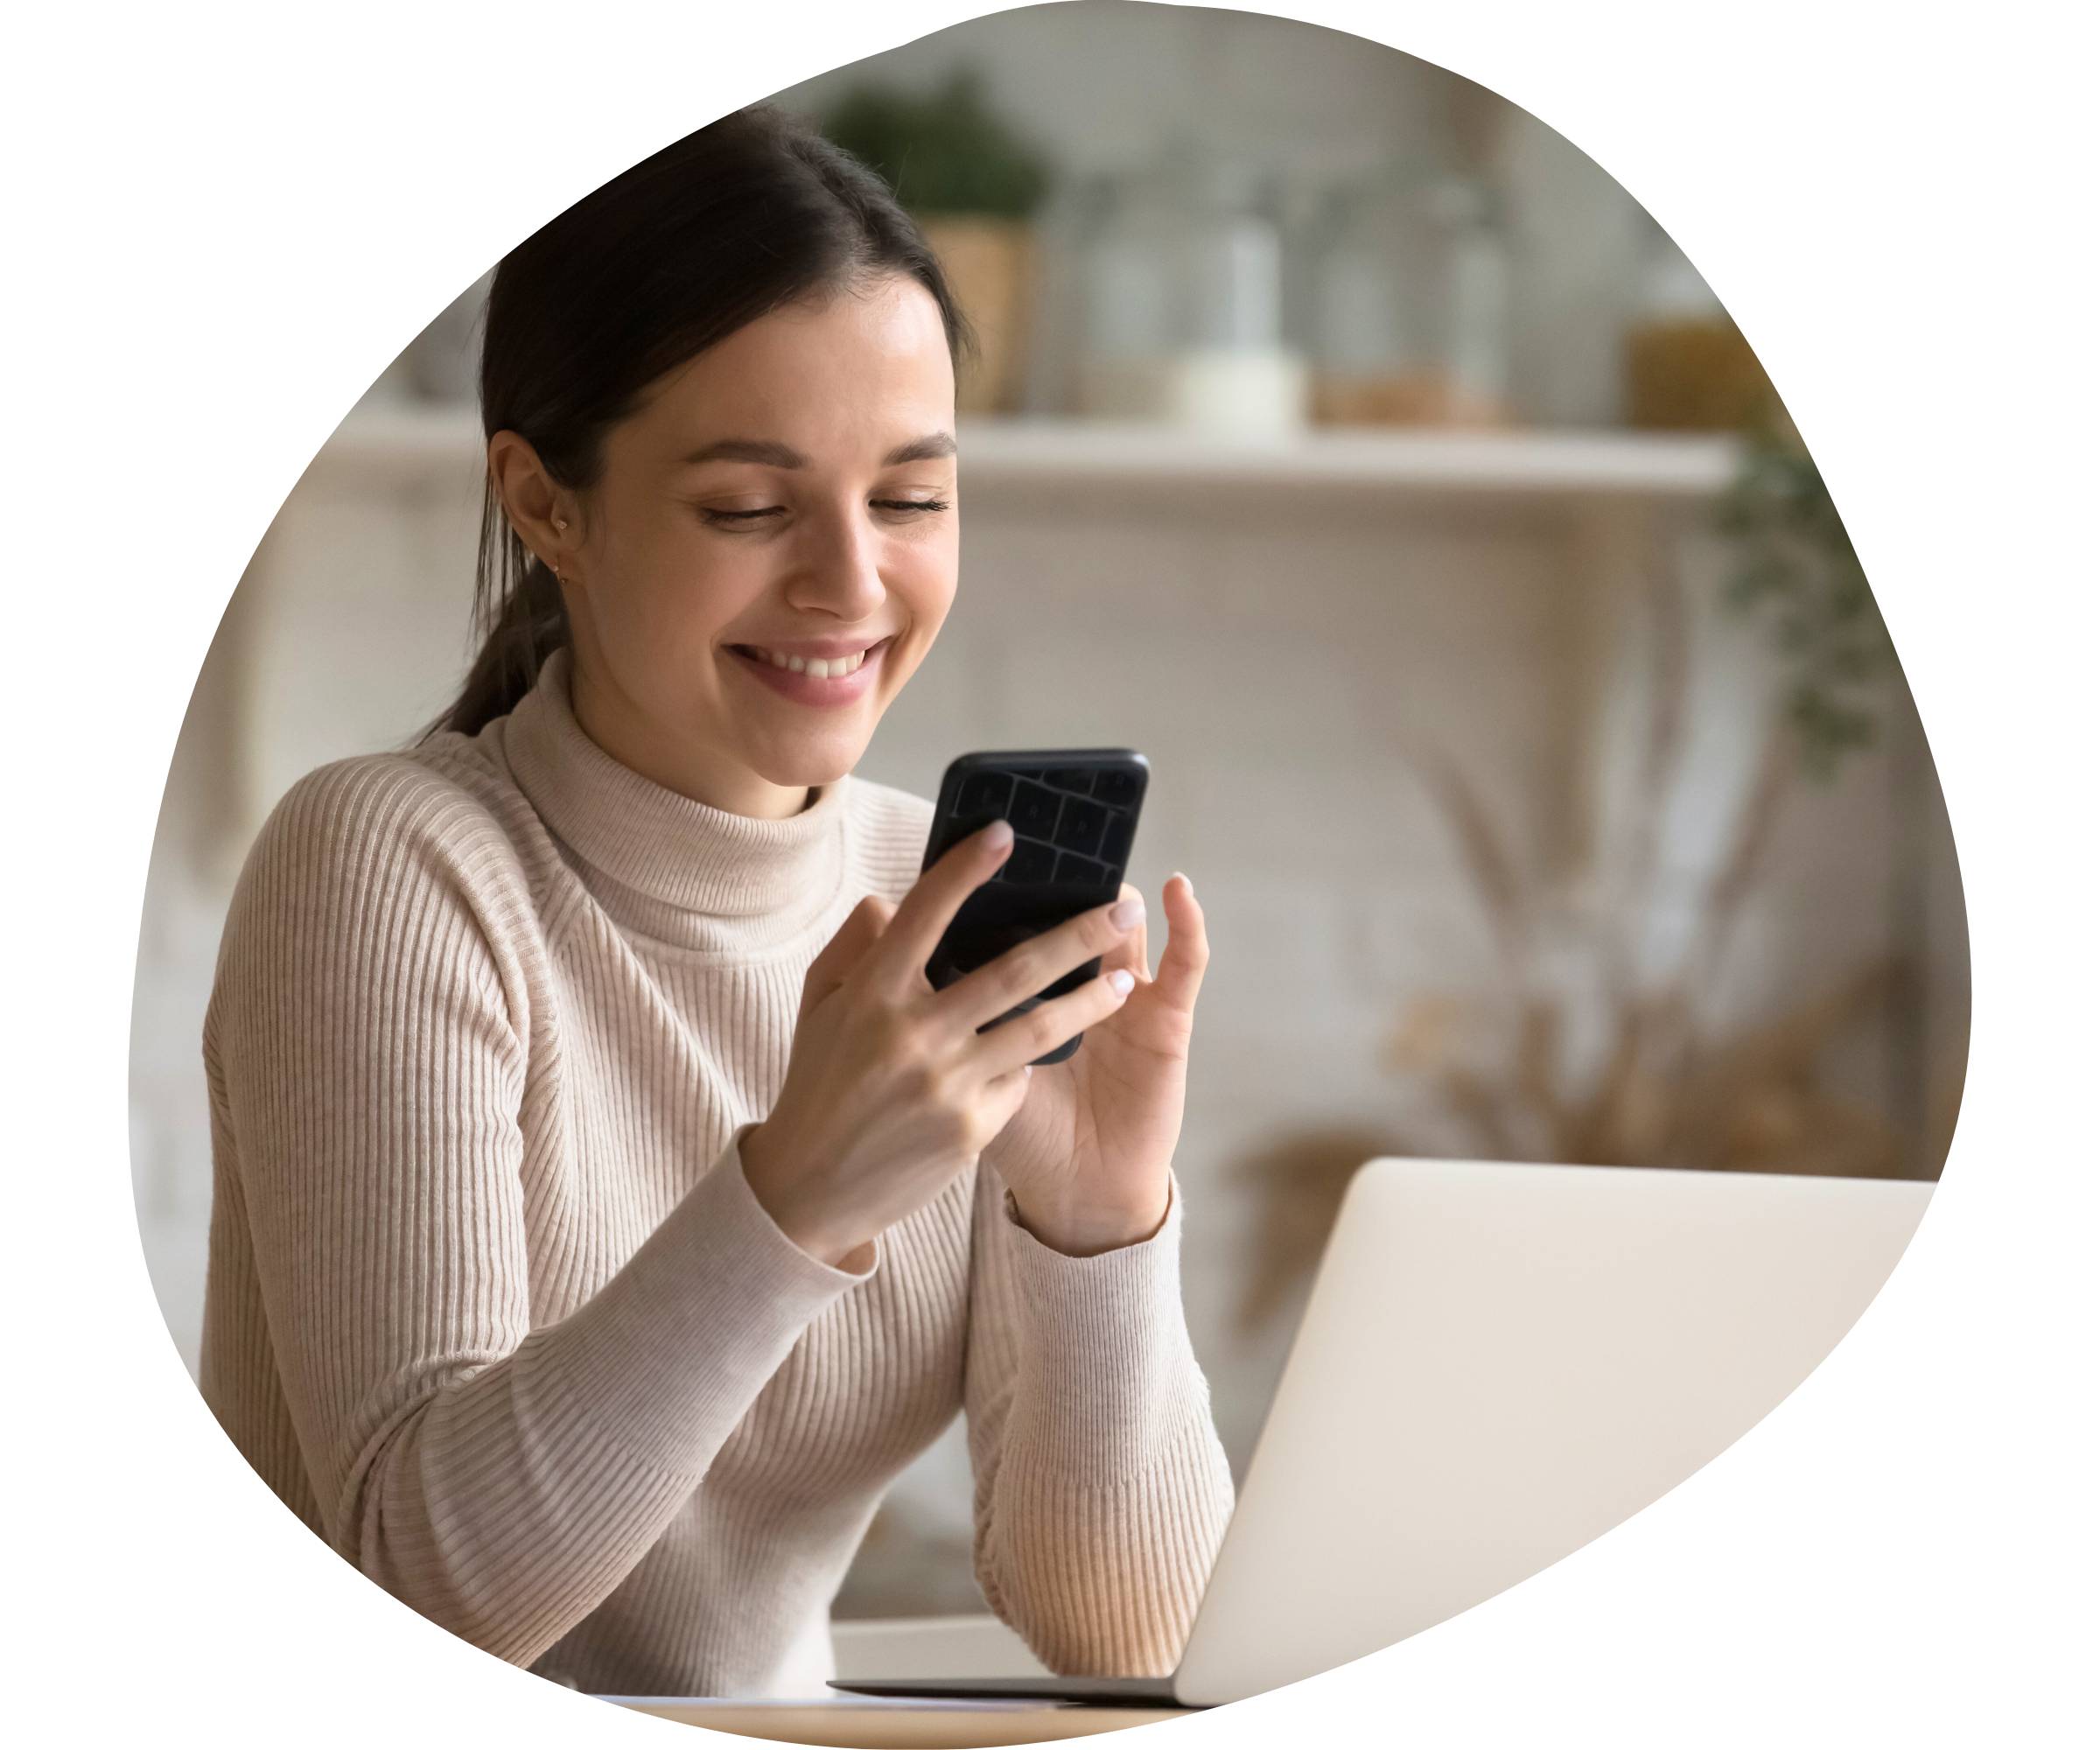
(743, 217)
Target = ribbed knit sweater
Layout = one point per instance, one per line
(493, 1308)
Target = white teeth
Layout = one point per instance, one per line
(822, 669)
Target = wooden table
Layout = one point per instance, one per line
(867, 1724)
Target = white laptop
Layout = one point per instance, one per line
(1498, 1363)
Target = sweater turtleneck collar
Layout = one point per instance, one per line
(761, 880)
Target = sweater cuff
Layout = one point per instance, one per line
(670, 1354)
(790, 1256)
(1105, 1343)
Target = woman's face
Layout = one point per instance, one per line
(790, 492)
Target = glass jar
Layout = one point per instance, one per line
(1127, 297)
(1410, 304)
(1473, 300)
(1183, 304)
(1233, 371)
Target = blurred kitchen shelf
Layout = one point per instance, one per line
(1525, 464)
(406, 442)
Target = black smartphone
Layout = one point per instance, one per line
(1074, 811)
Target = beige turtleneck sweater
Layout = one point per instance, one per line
(492, 1307)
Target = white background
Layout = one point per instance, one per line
(223, 226)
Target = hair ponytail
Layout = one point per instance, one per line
(751, 214)
(520, 618)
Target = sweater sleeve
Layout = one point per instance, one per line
(366, 1050)
(1102, 1490)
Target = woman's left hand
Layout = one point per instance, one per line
(1088, 1155)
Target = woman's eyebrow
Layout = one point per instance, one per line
(772, 454)
(930, 448)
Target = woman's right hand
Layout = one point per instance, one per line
(891, 1090)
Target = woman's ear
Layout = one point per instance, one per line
(541, 514)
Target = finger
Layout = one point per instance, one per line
(850, 943)
(1129, 952)
(1187, 950)
(991, 990)
(924, 913)
(1009, 1090)
(1049, 1025)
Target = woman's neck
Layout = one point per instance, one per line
(612, 721)
(670, 867)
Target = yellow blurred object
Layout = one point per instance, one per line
(990, 263)
(1402, 397)
(1692, 373)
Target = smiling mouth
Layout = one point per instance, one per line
(818, 668)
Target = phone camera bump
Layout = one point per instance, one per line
(984, 795)
(1116, 786)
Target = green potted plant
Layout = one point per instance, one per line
(973, 186)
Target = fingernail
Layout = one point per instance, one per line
(1191, 885)
(1000, 835)
(1121, 981)
(1126, 914)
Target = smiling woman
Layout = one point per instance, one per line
(607, 1209)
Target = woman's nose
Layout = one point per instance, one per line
(843, 572)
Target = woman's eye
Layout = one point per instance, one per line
(749, 518)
